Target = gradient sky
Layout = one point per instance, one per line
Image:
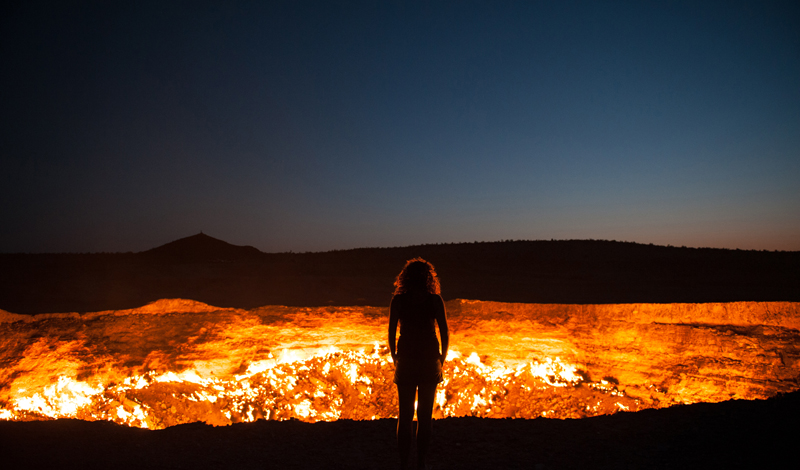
(311, 126)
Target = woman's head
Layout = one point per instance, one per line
(417, 275)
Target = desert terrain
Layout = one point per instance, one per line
(660, 323)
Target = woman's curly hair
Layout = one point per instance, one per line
(417, 274)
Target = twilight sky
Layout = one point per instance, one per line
(311, 126)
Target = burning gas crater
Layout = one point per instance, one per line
(179, 361)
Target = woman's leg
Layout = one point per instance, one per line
(405, 421)
(427, 393)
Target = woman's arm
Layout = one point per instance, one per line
(444, 332)
(393, 330)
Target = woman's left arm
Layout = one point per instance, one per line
(444, 332)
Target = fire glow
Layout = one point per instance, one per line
(178, 361)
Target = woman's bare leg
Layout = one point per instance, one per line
(405, 421)
(427, 393)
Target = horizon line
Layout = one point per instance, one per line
(552, 240)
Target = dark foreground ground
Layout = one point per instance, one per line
(734, 434)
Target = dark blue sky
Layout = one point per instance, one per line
(310, 126)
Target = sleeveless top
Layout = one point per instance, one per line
(417, 328)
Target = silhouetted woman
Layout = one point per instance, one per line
(418, 307)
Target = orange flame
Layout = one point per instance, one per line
(163, 365)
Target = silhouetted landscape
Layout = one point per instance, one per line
(209, 270)
(731, 434)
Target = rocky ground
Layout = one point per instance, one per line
(733, 434)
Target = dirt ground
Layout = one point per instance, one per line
(733, 434)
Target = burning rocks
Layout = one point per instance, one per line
(175, 362)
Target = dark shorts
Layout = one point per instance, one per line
(417, 370)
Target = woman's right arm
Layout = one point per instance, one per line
(444, 331)
(393, 330)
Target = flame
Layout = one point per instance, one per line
(154, 368)
(327, 386)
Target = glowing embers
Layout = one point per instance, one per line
(157, 367)
(329, 385)
(549, 388)
(63, 399)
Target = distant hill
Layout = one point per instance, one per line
(202, 248)
(209, 270)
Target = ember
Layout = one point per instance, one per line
(177, 361)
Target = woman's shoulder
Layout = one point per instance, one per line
(434, 298)
(399, 299)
